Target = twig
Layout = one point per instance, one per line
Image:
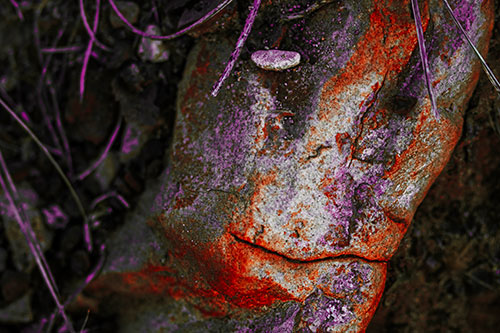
(179, 33)
(32, 241)
(239, 45)
(486, 68)
(423, 55)
(86, 230)
(66, 49)
(89, 47)
(108, 195)
(90, 31)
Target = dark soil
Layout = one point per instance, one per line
(444, 277)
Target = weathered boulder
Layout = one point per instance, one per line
(287, 193)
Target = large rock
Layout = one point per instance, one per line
(289, 192)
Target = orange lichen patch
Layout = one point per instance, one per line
(374, 53)
(367, 310)
(185, 201)
(225, 267)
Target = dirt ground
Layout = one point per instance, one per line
(445, 276)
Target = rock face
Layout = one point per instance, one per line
(289, 192)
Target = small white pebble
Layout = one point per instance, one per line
(275, 60)
(153, 50)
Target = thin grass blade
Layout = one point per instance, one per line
(423, 55)
(88, 51)
(51, 159)
(487, 69)
(35, 244)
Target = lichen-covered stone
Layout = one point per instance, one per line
(21, 254)
(153, 50)
(289, 192)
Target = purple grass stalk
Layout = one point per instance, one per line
(423, 56)
(239, 45)
(24, 217)
(89, 49)
(47, 120)
(60, 129)
(91, 276)
(486, 68)
(26, 229)
(36, 33)
(87, 236)
(104, 154)
(179, 33)
(108, 195)
(154, 9)
(91, 33)
(67, 49)
(18, 10)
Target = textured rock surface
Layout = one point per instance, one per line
(289, 191)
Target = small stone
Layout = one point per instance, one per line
(21, 253)
(129, 9)
(133, 141)
(153, 50)
(275, 60)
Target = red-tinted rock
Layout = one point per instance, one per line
(288, 192)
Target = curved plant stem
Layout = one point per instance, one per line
(51, 159)
(179, 33)
(84, 174)
(239, 45)
(423, 55)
